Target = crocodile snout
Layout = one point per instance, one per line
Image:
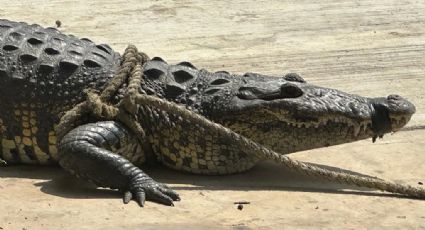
(390, 114)
(399, 106)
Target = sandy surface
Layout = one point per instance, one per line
(357, 46)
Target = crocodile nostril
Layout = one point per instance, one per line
(394, 97)
(290, 91)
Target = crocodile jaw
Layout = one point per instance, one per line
(287, 136)
(320, 117)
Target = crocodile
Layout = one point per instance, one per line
(44, 73)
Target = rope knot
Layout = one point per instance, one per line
(96, 103)
(98, 108)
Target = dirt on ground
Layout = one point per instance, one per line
(363, 47)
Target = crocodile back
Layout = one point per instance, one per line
(44, 65)
(42, 74)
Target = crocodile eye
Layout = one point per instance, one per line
(246, 93)
(287, 90)
(290, 91)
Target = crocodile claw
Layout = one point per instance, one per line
(152, 191)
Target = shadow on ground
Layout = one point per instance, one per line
(265, 176)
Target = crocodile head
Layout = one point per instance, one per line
(287, 114)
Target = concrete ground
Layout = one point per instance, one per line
(372, 48)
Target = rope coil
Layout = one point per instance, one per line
(125, 111)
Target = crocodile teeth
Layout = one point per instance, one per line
(356, 130)
(364, 127)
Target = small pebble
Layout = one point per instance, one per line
(240, 206)
(420, 183)
(58, 23)
(242, 202)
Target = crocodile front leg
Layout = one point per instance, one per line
(86, 152)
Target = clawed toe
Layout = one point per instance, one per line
(151, 191)
(170, 193)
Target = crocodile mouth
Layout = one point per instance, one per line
(374, 127)
(398, 122)
(359, 117)
(322, 122)
(339, 127)
(286, 135)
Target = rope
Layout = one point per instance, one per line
(98, 106)
(413, 128)
(126, 111)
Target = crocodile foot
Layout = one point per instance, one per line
(141, 190)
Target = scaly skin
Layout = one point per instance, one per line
(43, 73)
